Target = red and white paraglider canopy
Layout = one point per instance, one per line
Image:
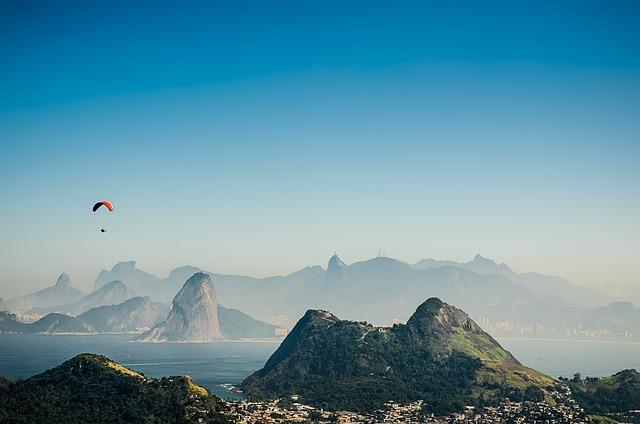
(104, 203)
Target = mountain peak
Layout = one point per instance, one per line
(318, 316)
(480, 258)
(193, 317)
(92, 360)
(436, 317)
(120, 266)
(428, 308)
(89, 388)
(196, 283)
(63, 281)
(335, 261)
(112, 285)
(336, 269)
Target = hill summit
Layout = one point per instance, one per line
(94, 387)
(440, 356)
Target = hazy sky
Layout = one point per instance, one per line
(260, 137)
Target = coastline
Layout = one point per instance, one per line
(630, 342)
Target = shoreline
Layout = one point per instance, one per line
(537, 339)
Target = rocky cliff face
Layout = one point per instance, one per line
(193, 317)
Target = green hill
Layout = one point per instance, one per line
(440, 356)
(92, 388)
(618, 393)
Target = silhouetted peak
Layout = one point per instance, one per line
(63, 281)
(183, 270)
(335, 261)
(112, 285)
(198, 279)
(121, 266)
(335, 269)
(480, 258)
(622, 305)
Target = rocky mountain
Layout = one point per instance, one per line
(336, 270)
(237, 325)
(137, 280)
(193, 316)
(59, 323)
(133, 315)
(93, 388)
(110, 294)
(440, 356)
(60, 293)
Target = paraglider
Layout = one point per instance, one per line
(107, 205)
(104, 203)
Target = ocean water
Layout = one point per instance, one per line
(211, 365)
(215, 365)
(563, 358)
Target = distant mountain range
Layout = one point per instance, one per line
(440, 356)
(382, 290)
(60, 293)
(538, 283)
(112, 308)
(110, 294)
(131, 315)
(92, 388)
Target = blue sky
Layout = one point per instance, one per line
(258, 138)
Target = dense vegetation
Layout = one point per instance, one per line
(92, 388)
(615, 394)
(439, 357)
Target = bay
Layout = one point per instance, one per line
(219, 365)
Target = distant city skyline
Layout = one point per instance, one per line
(258, 139)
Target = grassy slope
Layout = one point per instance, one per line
(95, 388)
(500, 368)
